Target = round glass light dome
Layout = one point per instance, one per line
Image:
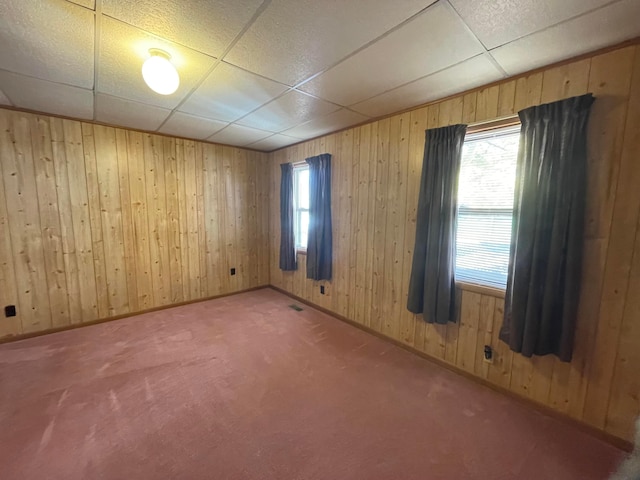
(159, 73)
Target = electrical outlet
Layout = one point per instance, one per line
(488, 354)
(321, 289)
(10, 311)
(233, 271)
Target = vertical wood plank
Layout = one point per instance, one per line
(468, 332)
(173, 219)
(485, 334)
(111, 218)
(65, 215)
(49, 220)
(81, 218)
(156, 199)
(380, 225)
(500, 371)
(138, 196)
(128, 235)
(506, 99)
(8, 281)
(26, 241)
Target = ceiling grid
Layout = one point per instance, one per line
(264, 74)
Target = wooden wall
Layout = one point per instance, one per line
(376, 173)
(97, 222)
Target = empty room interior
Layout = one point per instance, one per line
(309, 240)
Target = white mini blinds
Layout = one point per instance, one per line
(485, 206)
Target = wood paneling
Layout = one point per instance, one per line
(376, 174)
(97, 222)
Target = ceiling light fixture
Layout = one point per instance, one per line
(159, 73)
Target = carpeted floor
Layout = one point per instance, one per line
(246, 388)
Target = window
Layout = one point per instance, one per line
(301, 205)
(485, 206)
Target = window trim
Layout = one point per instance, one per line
(473, 130)
(297, 167)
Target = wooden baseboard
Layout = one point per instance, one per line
(544, 409)
(23, 336)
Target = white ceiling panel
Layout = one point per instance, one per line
(273, 143)
(291, 109)
(294, 39)
(120, 111)
(85, 3)
(123, 50)
(497, 22)
(42, 96)
(238, 135)
(343, 118)
(413, 51)
(52, 40)
(206, 26)
(609, 25)
(468, 74)
(4, 100)
(191, 126)
(229, 92)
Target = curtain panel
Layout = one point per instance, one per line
(543, 283)
(319, 247)
(288, 260)
(432, 282)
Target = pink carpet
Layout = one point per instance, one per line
(246, 388)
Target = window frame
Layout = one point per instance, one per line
(297, 211)
(472, 130)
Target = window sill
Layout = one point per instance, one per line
(301, 251)
(482, 289)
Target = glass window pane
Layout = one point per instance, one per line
(303, 188)
(485, 206)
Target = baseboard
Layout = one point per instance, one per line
(23, 336)
(596, 432)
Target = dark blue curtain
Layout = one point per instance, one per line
(319, 247)
(548, 228)
(287, 239)
(432, 283)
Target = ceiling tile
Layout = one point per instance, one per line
(124, 48)
(273, 142)
(52, 40)
(206, 26)
(285, 112)
(238, 135)
(497, 22)
(85, 3)
(42, 96)
(229, 92)
(411, 52)
(190, 126)
(294, 39)
(3, 99)
(329, 123)
(607, 26)
(468, 74)
(125, 113)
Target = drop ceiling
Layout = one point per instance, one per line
(266, 74)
